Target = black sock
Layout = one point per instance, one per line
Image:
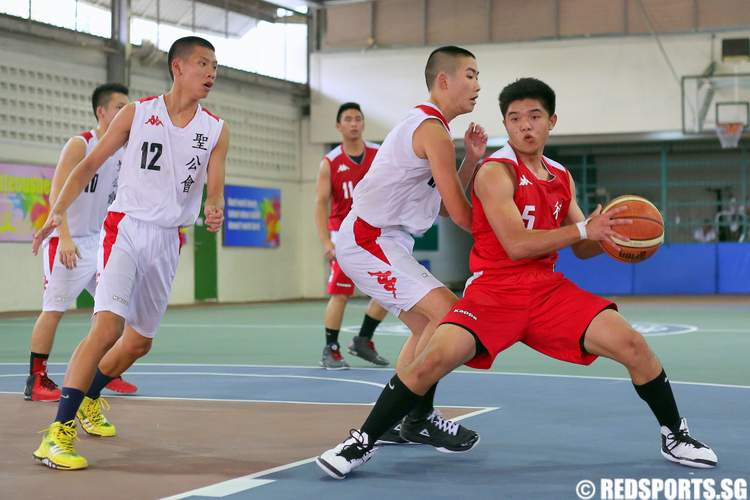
(369, 324)
(38, 363)
(70, 400)
(100, 380)
(425, 405)
(658, 395)
(332, 336)
(394, 402)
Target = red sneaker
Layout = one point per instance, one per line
(118, 384)
(39, 387)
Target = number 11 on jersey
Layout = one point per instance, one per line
(348, 187)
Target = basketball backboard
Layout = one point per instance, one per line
(708, 101)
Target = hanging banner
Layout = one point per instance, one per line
(252, 216)
(24, 200)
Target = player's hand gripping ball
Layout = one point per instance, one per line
(646, 233)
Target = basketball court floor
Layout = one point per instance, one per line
(231, 404)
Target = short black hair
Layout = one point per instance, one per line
(443, 59)
(102, 93)
(347, 106)
(182, 46)
(528, 88)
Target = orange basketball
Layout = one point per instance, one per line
(646, 233)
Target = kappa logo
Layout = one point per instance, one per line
(154, 120)
(556, 212)
(342, 168)
(384, 278)
(465, 313)
(524, 181)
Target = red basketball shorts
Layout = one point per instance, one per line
(540, 308)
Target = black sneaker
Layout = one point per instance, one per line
(445, 435)
(680, 447)
(364, 348)
(392, 436)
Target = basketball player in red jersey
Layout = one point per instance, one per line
(525, 210)
(73, 246)
(340, 171)
(174, 148)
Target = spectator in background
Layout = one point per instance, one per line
(705, 233)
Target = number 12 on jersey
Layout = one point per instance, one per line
(348, 187)
(155, 148)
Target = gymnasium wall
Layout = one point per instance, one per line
(676, 269)
(606, 85)
(45, 99)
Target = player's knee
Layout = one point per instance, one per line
(105, 336)
(635, 351)
(432, 365)
(137, 346)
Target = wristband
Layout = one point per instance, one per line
(582, 229)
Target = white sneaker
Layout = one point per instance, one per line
(681, 448)
(347, 456)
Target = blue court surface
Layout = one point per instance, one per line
(540, 434)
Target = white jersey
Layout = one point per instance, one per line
(87, 212)
(164, 167)
(398, 190)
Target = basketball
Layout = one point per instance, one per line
(646, 233)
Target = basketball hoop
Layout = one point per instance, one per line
(729, 134)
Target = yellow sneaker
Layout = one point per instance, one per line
(93, 420)
(57, 450)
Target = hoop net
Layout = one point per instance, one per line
(729, 134)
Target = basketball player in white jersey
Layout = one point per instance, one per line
(69, 255)
(412, 180)
(174, 147)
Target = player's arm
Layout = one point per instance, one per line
(213, 210)
(71, 155)
(494, 186)
(431, 141)
(583, 249)
(117, 134)
(322, 203)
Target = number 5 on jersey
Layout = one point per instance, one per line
(155, 149)
(527, 216)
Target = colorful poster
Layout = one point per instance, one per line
(24, 200)
(252, 216)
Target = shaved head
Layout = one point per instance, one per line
(183, 47)
(444, 60)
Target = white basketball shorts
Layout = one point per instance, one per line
(381, 264)
(62, 285)
(137, 262)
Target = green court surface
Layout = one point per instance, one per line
(697, 339)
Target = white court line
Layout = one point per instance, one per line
(213, 400)
(194, 325)
(214, 374)
(244, 483)
(471, 372)
(354, 327)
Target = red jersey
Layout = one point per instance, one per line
(345, 174)
(543, 204)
